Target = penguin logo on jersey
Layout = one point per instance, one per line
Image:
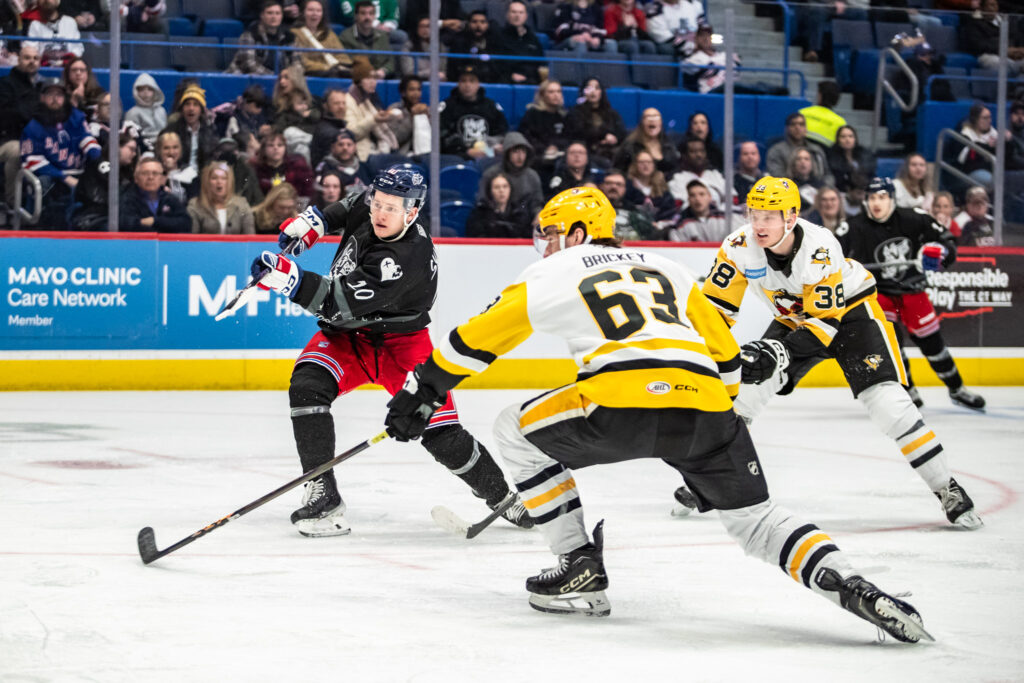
(873, 361)
(346, 263)
(820, 257)
(786, 303)
(739, 240)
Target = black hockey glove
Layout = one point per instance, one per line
(410, 410)
(761, 359)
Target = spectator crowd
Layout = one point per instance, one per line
(242, 167)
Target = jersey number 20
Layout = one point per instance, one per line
(665, 308)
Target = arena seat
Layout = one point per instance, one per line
(463, 178)
(454, 215)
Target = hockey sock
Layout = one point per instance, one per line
(467, 459)
(777, 536)
(901, 337)
(894, 413)
(934, 349)
(310, 394)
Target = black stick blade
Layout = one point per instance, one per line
(147, 545)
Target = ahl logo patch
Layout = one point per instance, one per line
(659, 388)
(389, 270)
(873, 361)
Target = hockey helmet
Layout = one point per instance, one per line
(579, 205)
(401, 180)
(774, 194)
(878, 185)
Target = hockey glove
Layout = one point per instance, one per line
(410, 410)
(276, 272)
(931, 256)
(761, 359)
(302, 231)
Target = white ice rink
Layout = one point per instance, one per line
(399, 600)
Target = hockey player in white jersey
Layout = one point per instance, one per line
(658, 369)
(825, 306)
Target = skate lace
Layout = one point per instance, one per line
(314, 491)
(516, 512)
(554, 572)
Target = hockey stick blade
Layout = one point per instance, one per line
(452, 523)
(147, 539)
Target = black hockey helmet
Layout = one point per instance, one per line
(880, 184)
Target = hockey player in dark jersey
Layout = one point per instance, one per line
(373, 312)
(883, 234)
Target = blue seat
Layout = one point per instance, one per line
(961, 60)
(463, 178)
(378, 162)
(145, 57)
(655, 77)
(942, 38)
(563, 68)
(223, 28)
(865, 71)
(847, 37)
(484, 163)
(888, 167)
(984, 90)
(208, 9)
(180, 26)
(97, 53)
(454, 215)
(611, 67)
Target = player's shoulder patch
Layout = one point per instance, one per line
(737, 240)
(821, 257)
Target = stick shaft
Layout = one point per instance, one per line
(148, 556)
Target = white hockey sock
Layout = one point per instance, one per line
(547, 487)
(777, 536)
(894, 413)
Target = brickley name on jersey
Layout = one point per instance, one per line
(601, 259)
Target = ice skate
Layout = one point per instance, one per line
(958, 506)
(576, 585)
(323, 511)
(685, 502)
(915, 396)
(517, 514)
(967, 399)
(896, 617)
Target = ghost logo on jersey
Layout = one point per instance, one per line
(389, 270)
(346, 263)
(786, 303)
(873, 361)
(739, 240)
(896, 249)
(820, 257)
(754, 469)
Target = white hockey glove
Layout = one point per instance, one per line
(277, 273)
(761, 359)
(302, 231)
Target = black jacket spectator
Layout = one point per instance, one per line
(592, 126)
(543, 128)
(863, 162)
(468, 42)
(258, 60)
(463, 121)
(170, 214)
(487, 221)
(511, 43)
(20, 98)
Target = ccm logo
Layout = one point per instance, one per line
(577, 582)
(659, 388)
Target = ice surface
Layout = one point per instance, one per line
(399, 600)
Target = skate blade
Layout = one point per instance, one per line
(969, 521)
(593, 604)
(913, 630)
(323, 527)
(962, 404)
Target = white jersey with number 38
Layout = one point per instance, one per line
(813, 287)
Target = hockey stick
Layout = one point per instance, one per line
(147, 539)
(452, 523)
(243, 295)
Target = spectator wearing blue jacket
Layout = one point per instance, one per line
(54, 146)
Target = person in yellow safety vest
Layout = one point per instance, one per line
(822, 122)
